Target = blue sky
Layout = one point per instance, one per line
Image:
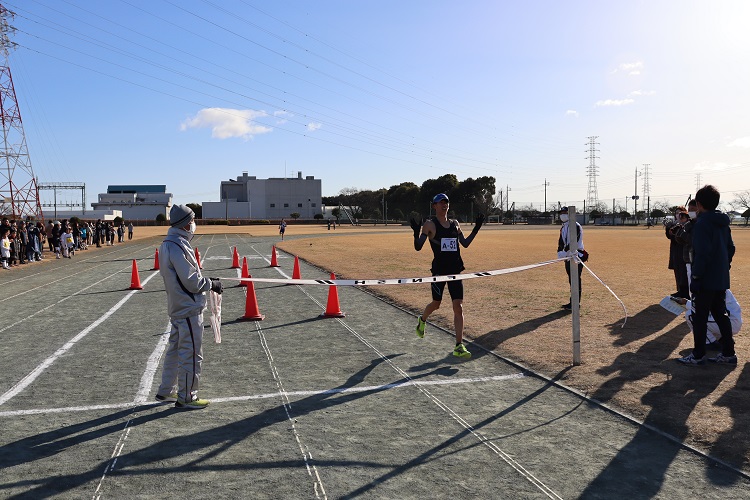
(366, 94)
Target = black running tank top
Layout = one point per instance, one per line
(445, 248)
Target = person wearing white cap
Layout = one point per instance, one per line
(444, 236)
(186, 300)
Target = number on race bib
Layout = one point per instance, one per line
(449, 245)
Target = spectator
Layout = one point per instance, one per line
(130, 230)
(4, 244)
(676, 261)
(713, 250)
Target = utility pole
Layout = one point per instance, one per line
(545, 195)
(507, 197)
(697, 181)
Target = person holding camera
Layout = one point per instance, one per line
(676, 260)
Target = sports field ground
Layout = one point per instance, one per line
(359, 407)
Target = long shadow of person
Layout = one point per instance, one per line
(645, 459)
(729, 446)
(217, 440)
(646, 322)
(491, 340)
(632, 366)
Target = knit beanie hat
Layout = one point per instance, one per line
(180, 216)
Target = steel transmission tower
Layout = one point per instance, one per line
(592, 198)
(19, 195)
(646, 184)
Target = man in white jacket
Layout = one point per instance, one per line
(186, 300)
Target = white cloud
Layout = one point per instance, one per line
(614, 102)
(717, 166)
(228, 123)
(281, 116)
(312, 126)
(637, 93)
(572, 112)
(740, 142)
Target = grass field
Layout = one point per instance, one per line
(518, 316)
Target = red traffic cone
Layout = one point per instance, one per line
(273, 257)
(251, 304)
(245, 273)
(135, 280)
(235, 259)
(333, 309)
(295, 273)
(156, 261)
(198, 258)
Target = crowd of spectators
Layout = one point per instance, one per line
(23, 242)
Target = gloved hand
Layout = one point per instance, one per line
(216, 286)
(416, 226)
(695, 285)
(478, 222)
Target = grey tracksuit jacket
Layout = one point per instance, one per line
(183, 280)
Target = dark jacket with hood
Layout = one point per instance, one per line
(713, 250)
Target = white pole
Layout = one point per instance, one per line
(575, 299)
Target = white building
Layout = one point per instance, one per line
(251, 198)
(136, 202)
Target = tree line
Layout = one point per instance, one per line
(467, 198)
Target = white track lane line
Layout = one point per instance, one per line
(455, 416)
(28, 379)
(147, 380)
(270, 395)
(306, 455)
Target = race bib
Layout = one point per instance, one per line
(449, 244)
(69, 239)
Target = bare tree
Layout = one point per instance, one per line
(741, 201)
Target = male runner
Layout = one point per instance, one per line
(444, 235)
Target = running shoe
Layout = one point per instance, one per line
(692, 360)
(196, 404)
(461, 352)
(171, 398)
(728, 360)
(420, 328)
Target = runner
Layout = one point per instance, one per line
(445, 235)
(282, 229)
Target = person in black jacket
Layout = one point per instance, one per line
(713, 250)
(676, 260)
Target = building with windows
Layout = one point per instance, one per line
(136, 202)
(248, 197)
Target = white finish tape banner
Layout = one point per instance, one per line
(399, 281)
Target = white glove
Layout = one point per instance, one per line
(562, 255)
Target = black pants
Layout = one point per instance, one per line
(714, 302)
(580, 269)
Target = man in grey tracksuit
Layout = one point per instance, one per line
(186, 300)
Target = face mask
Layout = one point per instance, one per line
(692, 215)
(191, 231)
(564, 217)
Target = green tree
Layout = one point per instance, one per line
(294, 215)
(161, 218)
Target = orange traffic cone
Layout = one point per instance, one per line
(245, 272)
(156, 261)
(235, 259)
(198, 258)
(273, 257)
(251, 304)
(135, 280)
(295, 273)
(333, 309)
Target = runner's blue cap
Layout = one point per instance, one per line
(440, 197)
